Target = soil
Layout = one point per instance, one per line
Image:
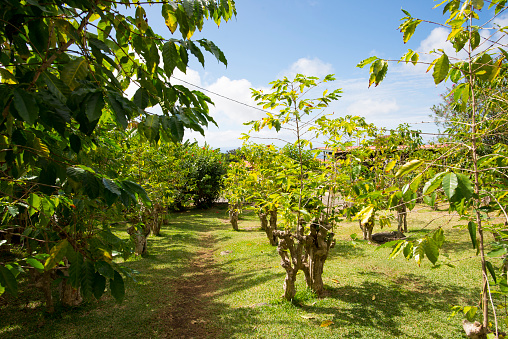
(192, 310)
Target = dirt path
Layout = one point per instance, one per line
(191, 314)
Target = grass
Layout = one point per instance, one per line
(368, 295)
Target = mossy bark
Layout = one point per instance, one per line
(233, 216)
(402, 218)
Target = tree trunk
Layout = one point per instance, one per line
(69, 296)
(43, 281)
(474, 330)
(156, 220)
(138, 236)
(291, 261)
(401, 218)
(317, 247)
(263, 217)
(233, 216)
(272, 227)
(367, 229)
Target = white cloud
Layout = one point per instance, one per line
(311, 67)
(370, 107)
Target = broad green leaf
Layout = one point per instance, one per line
(431, 250)
(117, 287)
(464, 186)
(409, 167)
(441, 69)
(56, 86)
(433, 183)
(56, 254)
(212, 48)
(408, 250)
(438, 237)
(26, 105)
(35, 263)
(73, 71)
(450, 184)
(478, 4)
(87, 280)
(99, 285)
(8, 281)
(94, 105)
(105, 269)
(75, 270)
(471, 226)
(111, 186)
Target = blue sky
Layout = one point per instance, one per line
(272, 38)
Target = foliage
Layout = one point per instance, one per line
(64, 69)
(477, 185)
(202, 175)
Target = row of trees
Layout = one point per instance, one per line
(469, 172)
(67, 131)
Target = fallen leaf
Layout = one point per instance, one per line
(307, 316)
(336, 281)
(373, 297)
(326, 323)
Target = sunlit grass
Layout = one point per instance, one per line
(367, 294)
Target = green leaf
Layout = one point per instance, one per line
(105, 269)
(56, 86)
(490, 268)
(464, 187)
(409, 167)
(212, 48)
(120, 113)
(56, 254)
(94, 105)
(450, 183)
(438, 237)
(8, 281)
(35, 263)
(75, 270)
(25, 104)
(87, 281)
(471, 226)
(390, 165)
(431, 250)
(73, 71)
(433, 183)
(117, 287)
(99, 285)
(441, 69)
(478, 4)
(111, 186)
(75, 142)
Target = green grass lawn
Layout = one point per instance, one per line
(238, 288)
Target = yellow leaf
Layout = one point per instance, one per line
(326, 323)
(374, 297)
(7, 76)
(41, 147)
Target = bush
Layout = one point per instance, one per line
(203, 170)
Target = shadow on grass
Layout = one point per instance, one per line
(373, 305)
(346, 249)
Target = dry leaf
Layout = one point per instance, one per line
(336, 281)
(326, 323)
(307, 316)
(374, 297)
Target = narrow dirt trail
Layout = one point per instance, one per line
(191, 314)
